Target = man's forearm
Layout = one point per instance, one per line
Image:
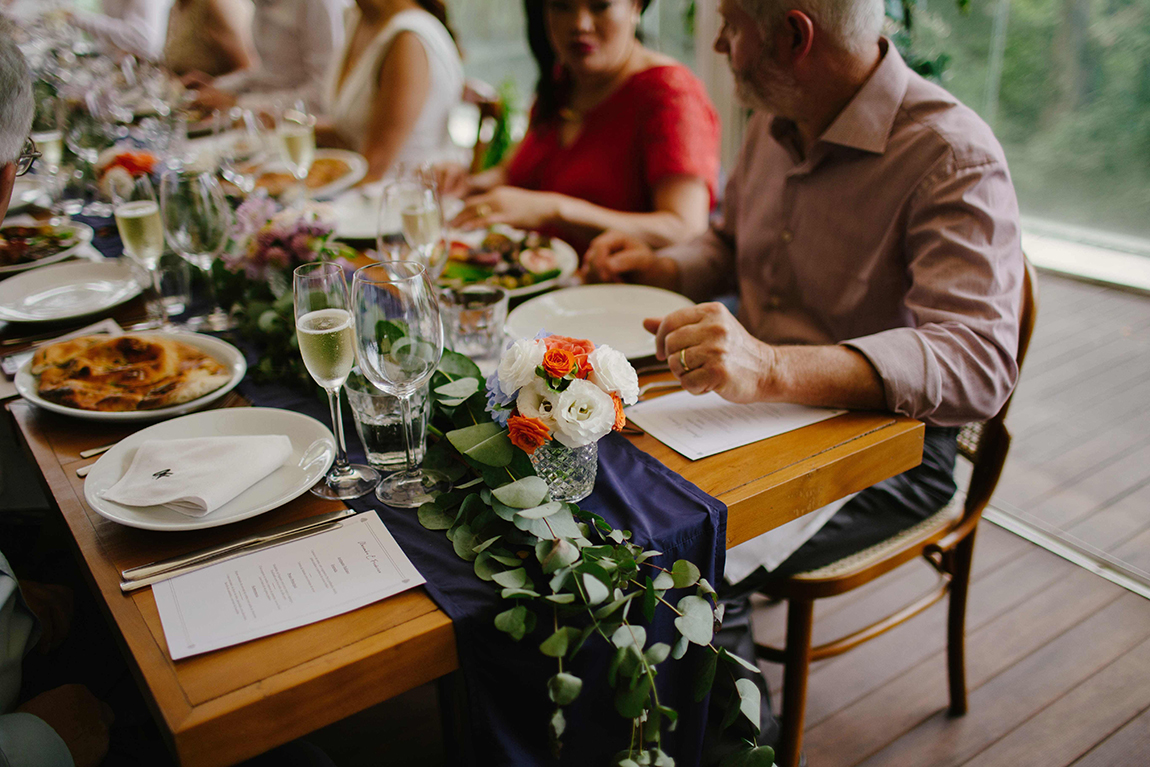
(823, 376)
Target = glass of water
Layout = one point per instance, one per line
(325, 330)
(379, 422)
(473, 320)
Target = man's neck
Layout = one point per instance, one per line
(840, 76)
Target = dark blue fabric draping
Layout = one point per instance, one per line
(508, 708)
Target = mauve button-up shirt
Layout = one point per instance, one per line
(897, 235)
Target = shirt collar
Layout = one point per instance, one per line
(866, 121)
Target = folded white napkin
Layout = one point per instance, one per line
(197, 476)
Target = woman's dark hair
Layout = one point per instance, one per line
(438, 9)
(552, 86)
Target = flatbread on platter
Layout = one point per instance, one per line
(125, 373)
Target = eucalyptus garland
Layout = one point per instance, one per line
(569, 577)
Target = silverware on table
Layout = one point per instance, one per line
(83, 470)
(306, 532)
(659, 385)
(96, 450)
(224, 551)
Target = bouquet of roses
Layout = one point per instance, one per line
(561, 388)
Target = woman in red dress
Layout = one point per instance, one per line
(621, 137)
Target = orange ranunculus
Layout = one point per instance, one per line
(527, 433)
(136, 163)
(579, 347)
(620, 417)
(558, 362)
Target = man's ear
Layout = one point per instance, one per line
(801, 29)
(7, 179)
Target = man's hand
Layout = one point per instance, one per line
(53, 606)
(709, 350)
(617, 257)
(210, 99)
(79, 719)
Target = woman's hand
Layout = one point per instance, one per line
(509, 205)
(453, 179)
(213, 99)
(196, 79)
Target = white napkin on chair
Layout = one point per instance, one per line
(198, 475)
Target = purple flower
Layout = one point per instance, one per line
(277, 257)
(254, 213)
(499, 403)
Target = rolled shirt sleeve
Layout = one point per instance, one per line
(29, 741)
(707, 263)
(955, 362)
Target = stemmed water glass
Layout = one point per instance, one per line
(197, 218)
(399, 341)
(241, 147)
(295, 131)
(324, 327)
(142, 232)
(412, 204)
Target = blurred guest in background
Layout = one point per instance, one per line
(132, 26)
(296, 41)
(621, 137)
(390, 92)
(209, 36)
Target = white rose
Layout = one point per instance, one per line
(517, 368)
(612, 373)
(537, 401)
(584, 414)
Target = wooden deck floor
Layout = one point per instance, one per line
(1058, 659)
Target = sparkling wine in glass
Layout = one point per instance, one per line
(325, 330)
(413, 204)
(399, 342)
(137, 215)
(295, 131)
(197, 219)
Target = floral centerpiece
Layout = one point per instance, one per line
(253, 276)
(567, 576)
(558, 396)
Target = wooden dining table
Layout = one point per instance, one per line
(229, 705)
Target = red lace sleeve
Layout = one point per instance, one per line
(680, 128)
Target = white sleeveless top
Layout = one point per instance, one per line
(349, 106)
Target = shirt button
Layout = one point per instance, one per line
(787, 236)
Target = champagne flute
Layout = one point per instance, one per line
(137, 215)
(240, 143)
(196, 219)
(326, 334)
(413, 204)
(295, 131)
(399, 341)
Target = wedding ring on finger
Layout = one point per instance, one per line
(683, 360)
(483, 210)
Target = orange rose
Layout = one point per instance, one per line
(579, 347)
(558, 362)
(620, 417)
(527, 433)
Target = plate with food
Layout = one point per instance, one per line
(25, 247)
(332, 171)
(66, 291)
(312, 452)
(522, 262)
(603, 314)
(133, 377)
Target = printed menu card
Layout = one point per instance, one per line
(283, 587)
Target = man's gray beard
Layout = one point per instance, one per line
(778, 96)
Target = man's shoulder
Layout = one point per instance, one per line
(930, 115)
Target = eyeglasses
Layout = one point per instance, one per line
(29, 155)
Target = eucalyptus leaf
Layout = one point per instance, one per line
(452, 402)
(558, 723)
(540, 512)
(616, 535)
(513, 593)
(685, 574)
(464, 543)
(503, 511)
(647, 555)
(750, 756)
(486, 544)
(525, 493)
(486, 443)
(630, 636)
(705, 676)
(484, 567)
(513, 622)
(434, 518)
(650, 599)
(615, 664)
(505, 559)
(705, 587)
(680, 648)
(459, 389)
(614, 605)
(664, 581)
(735, 660)
(455, 365)
(630, 702)
(749, 701)
(560, 599)
(596, 591)
(511, 579)
(657, 653)
(697, 621)
(559, 553)
(555, 646)
(465, 485)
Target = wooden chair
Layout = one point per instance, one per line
(945, 540)
(486, 98)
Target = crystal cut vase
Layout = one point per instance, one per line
(568, 472)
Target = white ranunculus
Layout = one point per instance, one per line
(537, 401)
(584, 414)
(612, 373)
(517, 367)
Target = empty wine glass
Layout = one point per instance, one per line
(324, 328)
(410, 207)
(241, 148)
(399, 342)
(295, 131)
(138, 220)
(197, 219)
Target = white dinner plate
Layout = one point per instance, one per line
(227, 355)
(313, 450)
(65, 291)
(356, 170)
(603, 314)
(81, 232)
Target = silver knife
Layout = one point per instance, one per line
(307, 532)
(213, 552)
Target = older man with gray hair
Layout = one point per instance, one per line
(870, 229)
(16, 110)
